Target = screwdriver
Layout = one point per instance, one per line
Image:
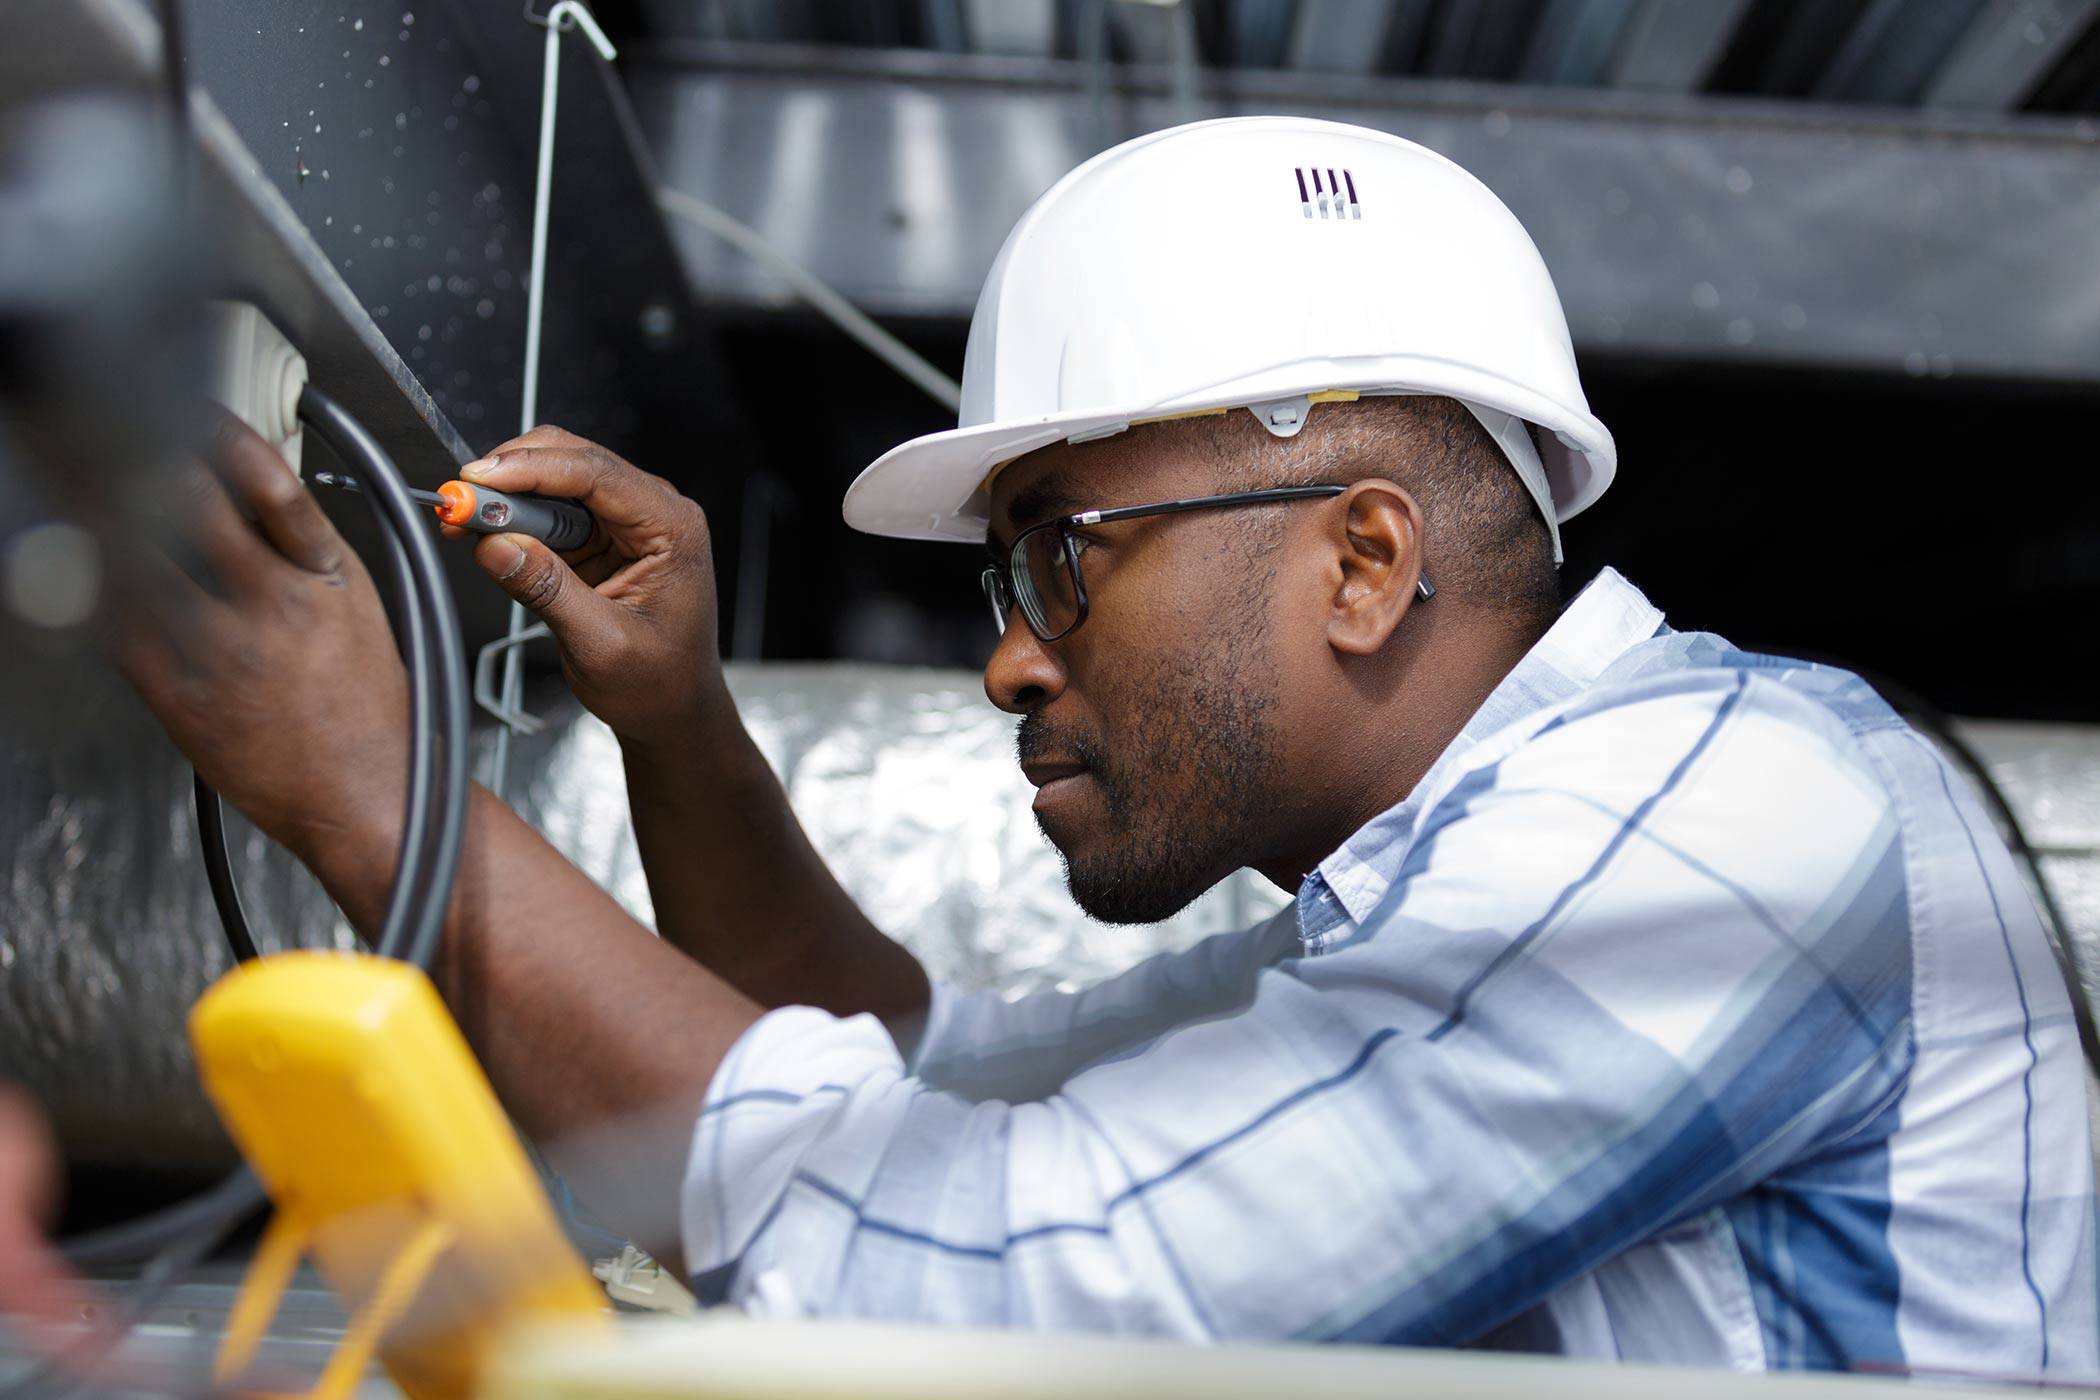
(560, 524)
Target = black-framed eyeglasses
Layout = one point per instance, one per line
(1041, 573)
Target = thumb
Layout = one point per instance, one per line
(534, 575)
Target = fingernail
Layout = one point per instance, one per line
(502, 556)
(480, 468)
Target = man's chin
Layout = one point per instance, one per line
(1116, 899)
(1113, 889)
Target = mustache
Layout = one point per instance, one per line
(1037, 738)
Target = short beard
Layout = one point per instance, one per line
(1186, 791)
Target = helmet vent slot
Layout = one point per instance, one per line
(1326, 193)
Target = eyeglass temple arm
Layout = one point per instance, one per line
(1424, 589)
(1235, 498)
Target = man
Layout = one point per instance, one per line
(1641, 997)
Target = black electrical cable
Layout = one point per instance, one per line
(218, 872)
(427, 897)
(410, 859)
(411, 855)
(412, 623)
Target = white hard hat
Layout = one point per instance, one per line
(1258, 262)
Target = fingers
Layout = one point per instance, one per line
(545, 435)
(207, 527)
(535, 576)
(149, 592)
(158, 613)
(244, 511)
(622, 497)
(262, 484)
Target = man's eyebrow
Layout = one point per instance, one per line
(1038, 502)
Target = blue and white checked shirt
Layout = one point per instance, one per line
(1689, 1010)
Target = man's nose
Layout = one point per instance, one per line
(1024, 673)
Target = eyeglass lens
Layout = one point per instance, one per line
(1043, 582)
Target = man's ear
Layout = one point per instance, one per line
(1378, 547)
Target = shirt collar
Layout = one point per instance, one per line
(1609, 616)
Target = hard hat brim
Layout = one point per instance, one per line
(935, 487)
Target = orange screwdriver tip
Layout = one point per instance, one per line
(457, 507)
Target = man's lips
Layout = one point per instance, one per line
(1056, 783)
(1043, 772)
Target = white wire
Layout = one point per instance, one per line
(842, 313)
(559, 18)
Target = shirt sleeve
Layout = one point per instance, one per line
(1633, 963)
(981, 1046)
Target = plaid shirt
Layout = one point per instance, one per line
(1689, 1010)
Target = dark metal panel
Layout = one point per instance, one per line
(2007, 51)
(260, 238)
(1753, 232)
(378, 127)
(1671, 45)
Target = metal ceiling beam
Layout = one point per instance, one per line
(1145, 28)
(1354, 36)
(1717, 229)
(1572, 43)
(1671, 45)
(1027, 27)
(1894, 49)
(2007, 51)
(1257, 32)
(1473, 39)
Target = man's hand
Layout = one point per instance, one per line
(633, 610)
(279, 681)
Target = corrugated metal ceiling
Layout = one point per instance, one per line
(2038, 56)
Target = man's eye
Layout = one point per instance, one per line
(1080, 545)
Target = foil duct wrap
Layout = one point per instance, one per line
(107, 932)
(907, 783)
(905, 779)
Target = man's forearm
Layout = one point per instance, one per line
(600, 1040)
(738, 886)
